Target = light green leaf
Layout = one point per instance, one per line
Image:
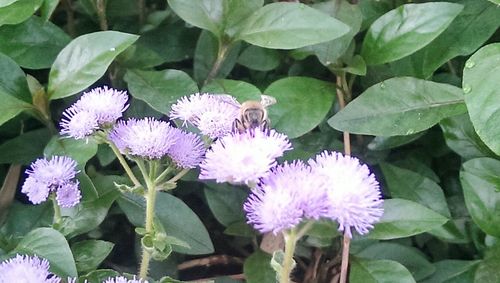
(51, 245)
(33, 52)
(48, 7)
(84, 60)
(160, 89)
(259, 59)
(456, 271)
(18, 11)
(399, 106)
(481, 185)
(257, 268)
(384, 143)
(482, 94)
(13, 80)
(403, 218)
(406, 29)
(302, 103)
(488, 270)
(378, 271)
(89, 254)
(289, 26)
(241, 90)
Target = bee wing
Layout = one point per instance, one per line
(267, 100)
(226, 98)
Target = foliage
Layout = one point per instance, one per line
(422, 89)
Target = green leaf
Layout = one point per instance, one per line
(495, 1)
(384, 143)
(84, 60)
(29, 51)
(48, 8)
(99, 275)
(23, 218)
(240, 229)
(226, 203)
(221, 17)
(414, 260)
(22, 149)
(403, 218)
(13, 80)
(160, 89)
(80, 150)
(488, 270)
(176, 217)
(399, 106)
(482, 93)
(259, 59)
(406, 29)
(378, 271)
(51, 245)
(241, 90)
(257, 268)
(468, 31)
(18, 11)
(4, 3)
(293, 114)
(461, 137)
(289, 26)
(457, 271)
(89, 254)
(406, 184)
(481, 185)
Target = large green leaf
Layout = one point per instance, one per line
(18, 11)
(176, 217)
(24, 148)
(241, 90)
(84, 60)
(403, 218)
(482, 94)
(399, 106)
(258, 268)
(414, 260)
(13, 80)
(260, 59)
(226, 203)
(160, 89)
(51, 245)
(481, 184)
(221, 17)
(289, 26)
(378, 271)
(406, 184)
(461, 137)
(456, 271)
(488, 270)
(33, 44)
(302, 103)
(89, 254)
(406, 29)
(23, 218)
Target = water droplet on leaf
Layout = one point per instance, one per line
(470, 64)
(467, 88)
(382, 85)
(112, 49)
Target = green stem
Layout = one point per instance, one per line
(101, 14)
(57, 211)
(179, 175)
(290, 242)
(124, 164)
(150, 209)
(221, 56)
(163, 174)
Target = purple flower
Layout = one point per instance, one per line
(27, 269)
(353, 192)
(52, 175)
(243, 158)
(98, 107)
(290, 194)
(212, 114)
(121, 279)
(147, 138)
(188, 151)
(68, 195)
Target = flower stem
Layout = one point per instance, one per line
(124, 164)
(150, 212)
(57, 211)
(290, 242)
(221, 56)
(179, 175)
(101, 14)
(163, 174)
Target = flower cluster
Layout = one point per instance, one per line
(243, 158)
(121, 279)
(54, 175)
(212, 114)
(96, 108)
(332, 186)
(27, 269)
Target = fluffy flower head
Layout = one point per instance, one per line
(68, 195)
(188, 151)
(353, 193)
(146, 138)
(121, 279)
(107, 104)
(27, 269)
(243, 158)
(78, 124)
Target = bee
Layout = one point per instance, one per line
(253, 114)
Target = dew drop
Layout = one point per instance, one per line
(112, 49)
(470, 64)
(467, 88)
(382, 85)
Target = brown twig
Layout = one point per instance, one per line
(210, 261)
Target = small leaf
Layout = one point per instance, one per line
(226, 203)
(399, 106)
(458, 271)
(406, 29)
(84, 60)
(403, 218)
(294, 115)
(257, 268)
(48, 7)
(481, 184)
(89, 254)
(378, 271)
(51, 245)
(482, 93)
(12, 79)
(18, 11)
(290, 26)
(160, 89)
